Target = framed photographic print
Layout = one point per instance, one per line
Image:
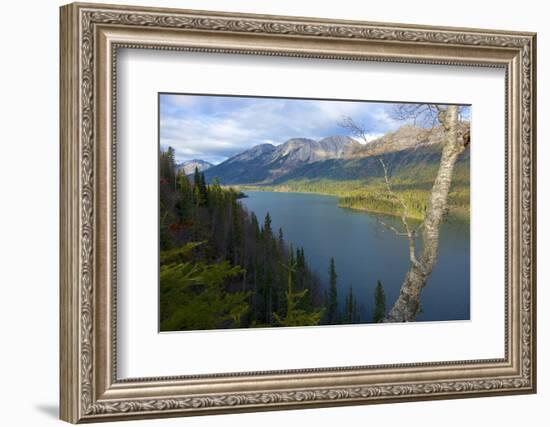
(265, 212)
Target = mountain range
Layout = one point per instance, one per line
(266, 162)
(333, 157)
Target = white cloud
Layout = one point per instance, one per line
(372, 136)
(335, 110)
(179, 101)
(214, 128)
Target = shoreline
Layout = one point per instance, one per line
(451, 216)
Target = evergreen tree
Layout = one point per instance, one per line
(194, 295)
(300, 258)
(291, 261)
(167, 166)
(295, 316)
(332, 294)
(267, 231)
(255, 226)
(169, 210)
(281, 239)
(300, 268)
(215, 190)
(203, 188)
(379, 303)
(183, 183)
(236, 233)
(171, 154)
(186, 192)
(267, 226)
(197, 188)
(197, 178)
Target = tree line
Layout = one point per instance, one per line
(220, 267)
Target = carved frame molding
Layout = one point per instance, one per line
(90, 37)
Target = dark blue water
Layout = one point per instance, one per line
(365, 251)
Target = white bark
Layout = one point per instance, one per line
(407, 305)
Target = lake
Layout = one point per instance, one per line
(365, 251)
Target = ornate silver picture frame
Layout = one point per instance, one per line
(91, 36)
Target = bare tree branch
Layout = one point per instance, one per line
(391, 227)
(424, 116)
(357, 130)
(404, 216)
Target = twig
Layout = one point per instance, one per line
(391, 227)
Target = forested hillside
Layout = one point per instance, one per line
(221, 267)
(360, 184)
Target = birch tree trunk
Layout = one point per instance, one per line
(407, 305)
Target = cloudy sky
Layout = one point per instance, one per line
(213, 128)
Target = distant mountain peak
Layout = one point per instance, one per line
(339, 139)
(252, 153)
(266, 162)
(189, 166)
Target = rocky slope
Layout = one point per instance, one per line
(266, 162)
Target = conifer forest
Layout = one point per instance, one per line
(222, 267)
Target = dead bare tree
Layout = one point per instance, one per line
(356, 129)
(455, 140)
